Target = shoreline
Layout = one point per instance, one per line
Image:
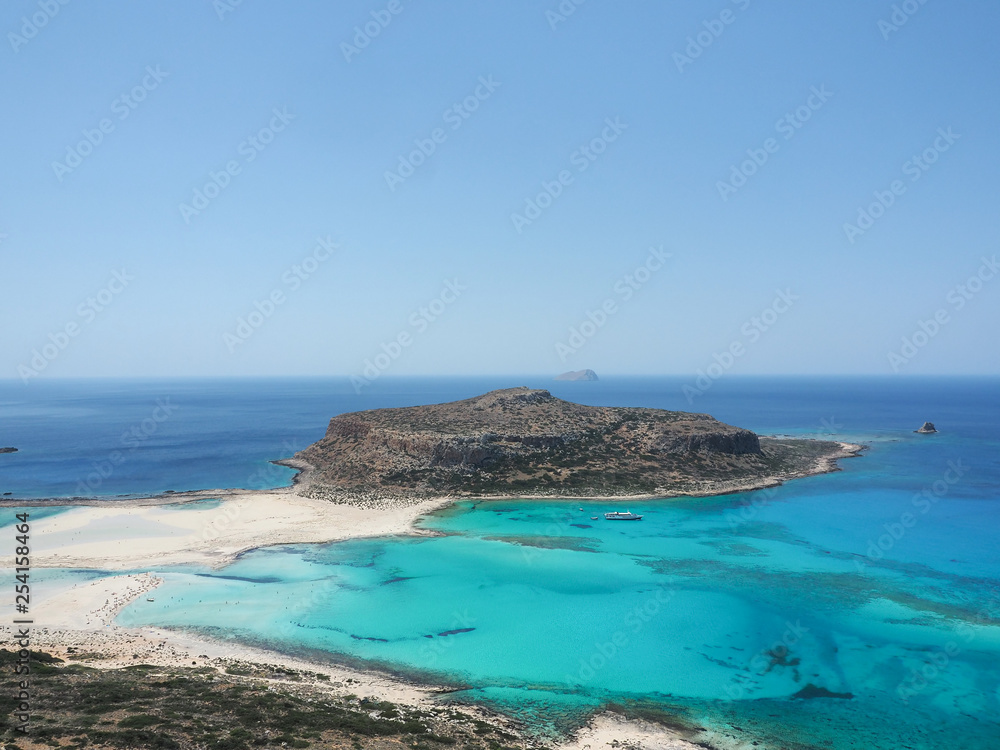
(302, 480)
(127, 535)
(303, 470)
(174, 529)
(81, 627)
(823, 465)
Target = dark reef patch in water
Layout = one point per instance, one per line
(265, 579)
(397, 579)
(456, 631)
(811, 691)
(575, 544)
(735, 549)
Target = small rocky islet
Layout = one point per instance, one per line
(578, 375)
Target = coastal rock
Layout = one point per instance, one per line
(8, 450)
(737, 442)
(578, 375)
(811, 691)
(927, 429)
(527, 442)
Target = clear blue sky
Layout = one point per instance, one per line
(551, 86)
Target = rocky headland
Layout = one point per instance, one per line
(524, 442)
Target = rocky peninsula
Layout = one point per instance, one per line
(528, 443)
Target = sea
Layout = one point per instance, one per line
(857, 609)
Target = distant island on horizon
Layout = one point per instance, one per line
(578, 375)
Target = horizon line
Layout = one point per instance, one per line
(547, 375)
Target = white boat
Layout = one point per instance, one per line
(617, 515)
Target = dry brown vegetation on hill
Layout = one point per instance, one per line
(520, 441)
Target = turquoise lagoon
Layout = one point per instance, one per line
(852, 610)
(695, 609)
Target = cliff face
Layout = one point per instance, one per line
(526, 441)
(735, 441)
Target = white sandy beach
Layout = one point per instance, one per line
(123, 535)
(77, 623)
(82, 617)
(76, 620)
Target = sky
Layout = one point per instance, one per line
(449, 188)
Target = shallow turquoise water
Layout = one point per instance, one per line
(8, 516)
(722, 610)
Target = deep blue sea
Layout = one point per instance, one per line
(859, 609)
